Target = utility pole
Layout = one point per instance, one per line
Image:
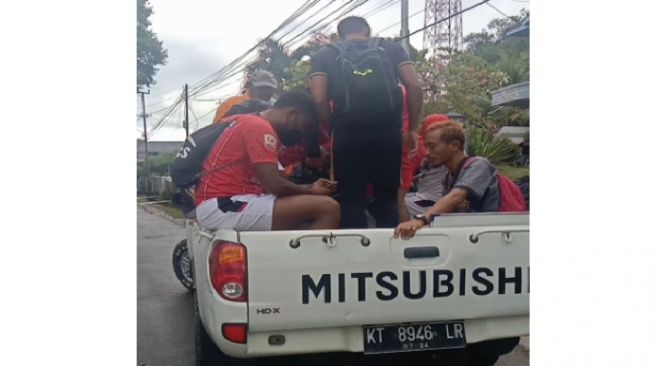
(186, 108)
(147, 154)
(144, 115)
(404, 25)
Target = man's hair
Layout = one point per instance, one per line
(353, 25)
(297, 99)
(451, 131)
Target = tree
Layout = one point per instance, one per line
(149, 51)
(273, 57)
(460, 82)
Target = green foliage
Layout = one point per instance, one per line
(317, 41)
(460, 82)
(297, 75)
(494, 148)
(273, 57)
(149, 50)
(158, 164)
(507, 54)
(512, 172)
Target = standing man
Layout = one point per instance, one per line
(361, 76)
(259, 89)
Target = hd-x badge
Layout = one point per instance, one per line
(267, 311)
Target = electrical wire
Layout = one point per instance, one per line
(320, 21)
(444, 19)
(215, 81)
(356, 4)
(215, 77)
(297, 40)
(305, 20)
(497, 9)
(379, 9)
(399, 22)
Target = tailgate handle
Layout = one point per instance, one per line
(421, 252)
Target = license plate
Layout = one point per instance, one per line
(413, 337)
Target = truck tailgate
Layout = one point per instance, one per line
(464, 267)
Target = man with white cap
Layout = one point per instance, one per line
(260, 86)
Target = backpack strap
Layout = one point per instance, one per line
(462, 165)
(374, 42)
(339, 46)
(227, 121)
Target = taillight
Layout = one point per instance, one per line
(235, 332)
(228, 270)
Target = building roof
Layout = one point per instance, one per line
(513, 133)
(156, 148)
(160, 147)
(522, 29)
(515, 95)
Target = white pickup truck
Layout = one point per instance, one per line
(457, 290)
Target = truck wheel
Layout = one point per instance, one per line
(477, 354)
(183, 266)
(206, 352)
(487, 353)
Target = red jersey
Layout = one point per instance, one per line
(250, 140)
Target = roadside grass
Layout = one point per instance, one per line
(512, 172)
(171, 210)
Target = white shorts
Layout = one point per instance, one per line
(245, 212)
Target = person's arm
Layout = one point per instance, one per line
(274, 183)
(409, 78)
(318, 84)
(448, 203)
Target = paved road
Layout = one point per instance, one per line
(165, 309)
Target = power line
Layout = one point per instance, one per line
(399, 22)
(351, 7)
(234, 70)
(444, 19)
(307, 19)
(290, 41)
(194, 115)
(213, 82)
(215, 77)
(380, 8)
(497, 9)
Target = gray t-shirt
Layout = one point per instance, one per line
(479, 179)
(430, 180)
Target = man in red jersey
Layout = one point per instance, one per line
(241, 187)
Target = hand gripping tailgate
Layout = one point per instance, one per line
(462, 269)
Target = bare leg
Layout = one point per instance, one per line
(294, 212)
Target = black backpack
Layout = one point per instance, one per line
(365, 81)
(187, 167)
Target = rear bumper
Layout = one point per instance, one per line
(350, 339)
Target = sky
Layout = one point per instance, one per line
(202, 36)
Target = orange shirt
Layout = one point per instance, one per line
(248, 141)
(228, 104)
